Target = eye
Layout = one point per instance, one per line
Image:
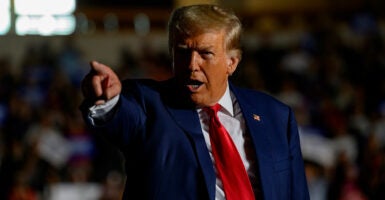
(206, 54)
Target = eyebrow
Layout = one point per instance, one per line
(184, 46)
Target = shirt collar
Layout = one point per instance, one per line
(226, 101)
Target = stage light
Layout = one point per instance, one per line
(44, 7)
(45, 25)
(41, 17)
(5, 17)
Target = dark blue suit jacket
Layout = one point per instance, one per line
(160, 135)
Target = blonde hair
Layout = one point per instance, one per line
(196, 19)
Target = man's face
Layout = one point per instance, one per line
(202, 65)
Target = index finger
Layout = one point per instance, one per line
(99, 68)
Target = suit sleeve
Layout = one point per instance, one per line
(124, 122)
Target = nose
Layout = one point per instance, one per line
(194, 61)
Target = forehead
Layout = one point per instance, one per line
(204, 39)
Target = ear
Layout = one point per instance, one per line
(232, 62)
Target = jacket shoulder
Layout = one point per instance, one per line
(253, 97)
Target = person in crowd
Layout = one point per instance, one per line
(197, 135)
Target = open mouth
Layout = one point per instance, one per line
(193, 85)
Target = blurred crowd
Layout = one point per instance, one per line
(333, 77)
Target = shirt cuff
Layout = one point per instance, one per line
(100, 112)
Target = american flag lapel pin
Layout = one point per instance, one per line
(256, 117)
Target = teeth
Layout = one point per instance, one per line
(195, 86)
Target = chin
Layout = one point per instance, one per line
(199, 101)
(196, 99)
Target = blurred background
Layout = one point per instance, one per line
(324, 58)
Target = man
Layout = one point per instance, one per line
(165, 129)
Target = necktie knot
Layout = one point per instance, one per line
(213, 110)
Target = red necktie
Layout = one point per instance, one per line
(228, 162)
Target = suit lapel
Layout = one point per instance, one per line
(184, 113)
(256, 126)
(256, 117)
(188, 120)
